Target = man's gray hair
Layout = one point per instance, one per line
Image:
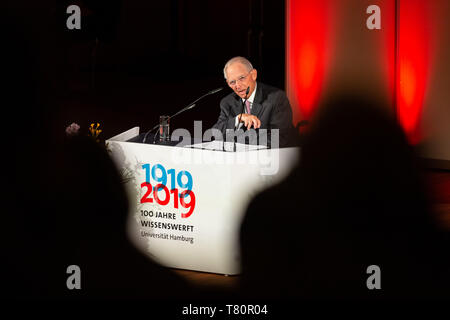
(242, 60)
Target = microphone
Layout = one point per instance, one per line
(188, 107)
(215, 90)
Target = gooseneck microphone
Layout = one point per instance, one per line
(243, 107)
(240, 115)
(188, 107)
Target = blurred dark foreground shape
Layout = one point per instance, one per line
(356, 199)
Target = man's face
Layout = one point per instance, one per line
(239, 79)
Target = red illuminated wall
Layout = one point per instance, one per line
(398, 58)
(413, 63)
(307, 54)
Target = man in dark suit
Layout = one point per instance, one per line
(253, 105)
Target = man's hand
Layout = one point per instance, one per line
(250, 120)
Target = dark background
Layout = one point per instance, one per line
(131, 62)
(135, 60)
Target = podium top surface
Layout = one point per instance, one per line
(133, 136)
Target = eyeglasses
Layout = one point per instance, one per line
(232, 83)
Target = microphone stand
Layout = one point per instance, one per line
(156, 127)
(189, 106)
(239, 120)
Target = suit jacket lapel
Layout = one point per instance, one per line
(257, 102)
(237, 107)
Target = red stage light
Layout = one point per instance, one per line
(307, 55)
(405, 55)
(413, 64)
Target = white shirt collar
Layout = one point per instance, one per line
(252, 96)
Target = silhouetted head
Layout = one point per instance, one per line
(364, 202)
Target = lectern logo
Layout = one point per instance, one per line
(159, 192)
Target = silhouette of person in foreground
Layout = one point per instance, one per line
(355, 200)
(65, 203)
(93, 210)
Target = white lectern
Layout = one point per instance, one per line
(187, 204)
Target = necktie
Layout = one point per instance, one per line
(247, 104)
